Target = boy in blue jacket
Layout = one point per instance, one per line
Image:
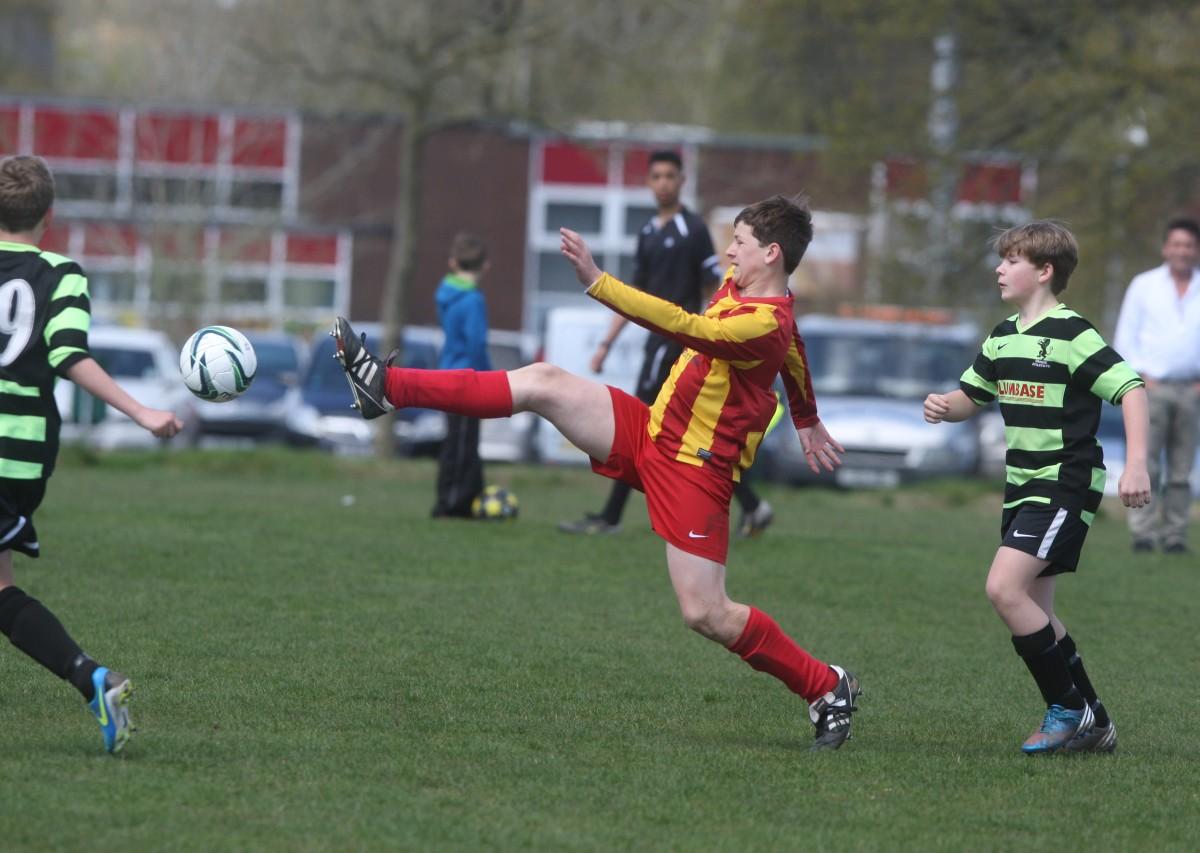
(463, 314)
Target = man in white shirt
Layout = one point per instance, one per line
(1158, 333)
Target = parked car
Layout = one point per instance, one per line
(870, 377)
(261, 412)
(146, 364)
(323, 416)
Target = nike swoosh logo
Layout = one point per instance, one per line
(692, 535)
(1020, 535)
(1000, 347)
(103, 709)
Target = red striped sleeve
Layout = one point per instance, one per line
(749, 332)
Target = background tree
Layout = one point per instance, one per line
(1098, 95)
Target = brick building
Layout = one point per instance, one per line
(279, 219)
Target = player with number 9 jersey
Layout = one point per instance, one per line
(44, 319)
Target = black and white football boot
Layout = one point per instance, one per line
(366, 373)
(830, 714)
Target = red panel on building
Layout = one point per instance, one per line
(10, 128)
(991, 183)
(177, 139)
(76, 134)
(101, 240)
(312, 249)
(637, 162)
(566, 163)
(246, 245)
(260, 142)
(57, 238)
(906, 178)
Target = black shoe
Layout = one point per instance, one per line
(366, 373)
(831, 713)
(589, 524)
(1175, 548)
(754, 523)
(1142, 546)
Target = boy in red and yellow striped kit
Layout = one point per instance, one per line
(686, 450)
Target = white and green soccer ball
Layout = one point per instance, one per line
(495, 504)
(217, 363)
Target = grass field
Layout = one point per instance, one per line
(317, 676)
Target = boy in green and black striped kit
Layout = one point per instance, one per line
(1050, 370)
(45, 313)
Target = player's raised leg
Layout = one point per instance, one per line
(579, 408)
(582, 410)
(757, 639)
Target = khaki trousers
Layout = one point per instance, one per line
(1174, 421)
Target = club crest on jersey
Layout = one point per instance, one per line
(1043, 353)
(1030, 393)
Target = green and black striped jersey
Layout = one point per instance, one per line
(1050, 379)
(44, 319)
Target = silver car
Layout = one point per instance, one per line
(870, 377)
(146, 364)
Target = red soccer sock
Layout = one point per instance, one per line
(475, 393)
(765, 647)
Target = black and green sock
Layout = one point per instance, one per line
(1049, 669)
(1066, 647)
(36, 631)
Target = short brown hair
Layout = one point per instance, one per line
(1042, 242)
(26, 193)
(469, 252)
(782, 220)
(1182, 223)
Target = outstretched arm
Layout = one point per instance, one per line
(748, 333)
(91, 377)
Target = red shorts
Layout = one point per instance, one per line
(688, 506)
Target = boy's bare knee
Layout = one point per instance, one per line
(705, 618)
(1002, 594)
(534, 383)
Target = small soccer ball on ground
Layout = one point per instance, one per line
(217, 363)
(495, 504)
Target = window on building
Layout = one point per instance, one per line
(256, 195)
(308, 292)
(177, 284)
(556, 275)
(112, 287)
(77, 186)
(177, 192)
(243, 289)
(584, 218)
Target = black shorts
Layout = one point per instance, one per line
(1045, 531)
(18, 500)
(661, 355)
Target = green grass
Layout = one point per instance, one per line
(318, 676)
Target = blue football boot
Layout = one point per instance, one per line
(110, 706)
(1059, 726)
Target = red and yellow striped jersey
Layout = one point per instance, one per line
(716, 405)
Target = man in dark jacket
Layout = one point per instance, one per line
(463, 314)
